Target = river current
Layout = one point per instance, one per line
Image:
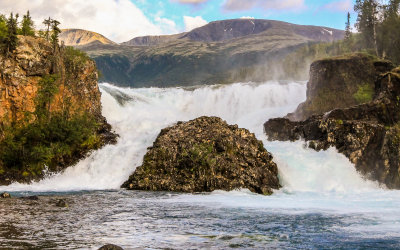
(324, 202)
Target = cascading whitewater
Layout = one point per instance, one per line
(138, 115)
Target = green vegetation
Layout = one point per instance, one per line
(27, 26)
(46, 138)
(74, 58)
(379, 35)
(10, 28)
(30, 148)
(364, 93)
(51, 140)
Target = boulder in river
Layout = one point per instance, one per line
(5, 195)
(110, 247)
(203, 155)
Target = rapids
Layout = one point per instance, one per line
(321, 188)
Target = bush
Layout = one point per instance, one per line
(32, 147)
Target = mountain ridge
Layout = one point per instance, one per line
(76, 37)
(225, 30)
(227, 51)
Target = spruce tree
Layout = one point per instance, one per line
(347, 35)
(55, 31)
(47, 22)
(11, 40)
(389, 32)
(27, 28)
(367, 21)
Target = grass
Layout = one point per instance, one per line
(364, 93)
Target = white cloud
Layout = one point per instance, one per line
(168, 26)
(242, 5)
(343, 6)
(247, 17)
(119, 20)
(193, 22)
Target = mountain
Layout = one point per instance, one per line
(221, 31)
(220, 52)
(75, 37)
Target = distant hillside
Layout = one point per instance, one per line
(76, 37)
(219, 52)
(226, 30)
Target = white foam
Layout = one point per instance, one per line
(139, 121)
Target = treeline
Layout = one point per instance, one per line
(11, 27)
(378, 23)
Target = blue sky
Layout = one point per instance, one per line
(122, 20)
(330, 13)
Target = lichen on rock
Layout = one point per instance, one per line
(203, 155)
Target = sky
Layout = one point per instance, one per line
(122, 20)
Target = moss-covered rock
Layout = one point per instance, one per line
(368, 134)
(203, 155)
(340, 82)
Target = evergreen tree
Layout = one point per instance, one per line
(389, 32)
(347, 35)
(55, 31)
(3, 28)
(47, 22)
(27, 28)
(11, 39)
(367, 21)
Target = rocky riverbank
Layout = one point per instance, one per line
(50, 110)
(368, 134)
(203, 155)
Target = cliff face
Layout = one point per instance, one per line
(20, 76)
(50, 110)
(340, 82)
(368, 134)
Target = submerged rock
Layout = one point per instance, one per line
(203, 155)
(110, 247)
(367, 134)
(5, 195)
(61, 203)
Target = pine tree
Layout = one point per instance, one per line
(27, 28)
(367, 21)
(47, 22)
(11, 40)
(55, 31)
(347, 35)
(389, 31)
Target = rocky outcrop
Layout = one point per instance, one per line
(368, 134)
(20, 76)
(340, 82)
(38, 82)
(203, 155)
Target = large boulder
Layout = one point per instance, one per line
(203, 155)
(340, 82)
(368, 134)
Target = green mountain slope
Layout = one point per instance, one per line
(219, 52)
